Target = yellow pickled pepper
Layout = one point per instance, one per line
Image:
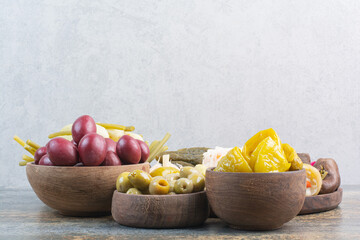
(270, 158)
(255, 153)
(292, 157)
(263, 152)
(233, 161)
(254, 141)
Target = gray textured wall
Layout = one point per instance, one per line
(209, 72)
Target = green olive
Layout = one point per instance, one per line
(186, 171)
(201, 169)
(172, 176)
(140, 179)
(158, 177)
(122, 183)
(159, 186)
(147, 191)
(198, 181)
(183, 185)
(171, 193)
(133, 191)
(172, 185)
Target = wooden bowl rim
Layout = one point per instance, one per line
(255, 173)
(31, 164)
(161, 196)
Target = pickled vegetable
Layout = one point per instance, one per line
(145, 152)
(184, 164)
(158, 177)
(111, 159)
(292, 157)
(157, 148)
(116, 126)
(45, 160)
(134, 135)
(198, 181)
(140, 179)
(163, 171)
(60, 134)
(23, 163)
(128, 149)
(30, 149)
(27, 158)
(99, 130)
(330, 175)
(201, 169)
(271, 158)
(110, 145)
(233, 161)
(92, 153)
(193, 150)
(313, 176)
(19, 140)
(133, 191)
(159, 186)
(115, 134)
(254, 141)
(33, 145)
(39, 153)
(186, 156)
(183, 185)
(92, 149)
(186, 171)
(172, 176)
(171, 185)
(153, 145)
(123, 183)
(62, 152)
(255, 153)
(82, 126)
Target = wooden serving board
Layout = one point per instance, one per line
(322, 203)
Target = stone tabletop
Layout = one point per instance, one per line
(24, 216)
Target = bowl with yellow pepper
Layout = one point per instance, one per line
(260, 186)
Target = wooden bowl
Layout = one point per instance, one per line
(160, 211)
(77, 191)
(256, 201)
(322, 202)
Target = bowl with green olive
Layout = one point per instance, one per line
(77, 191)
(173, 200)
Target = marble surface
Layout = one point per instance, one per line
(24, 216)
(210, 72)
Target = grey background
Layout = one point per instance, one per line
(209, 72)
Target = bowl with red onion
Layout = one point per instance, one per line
(77, 177)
